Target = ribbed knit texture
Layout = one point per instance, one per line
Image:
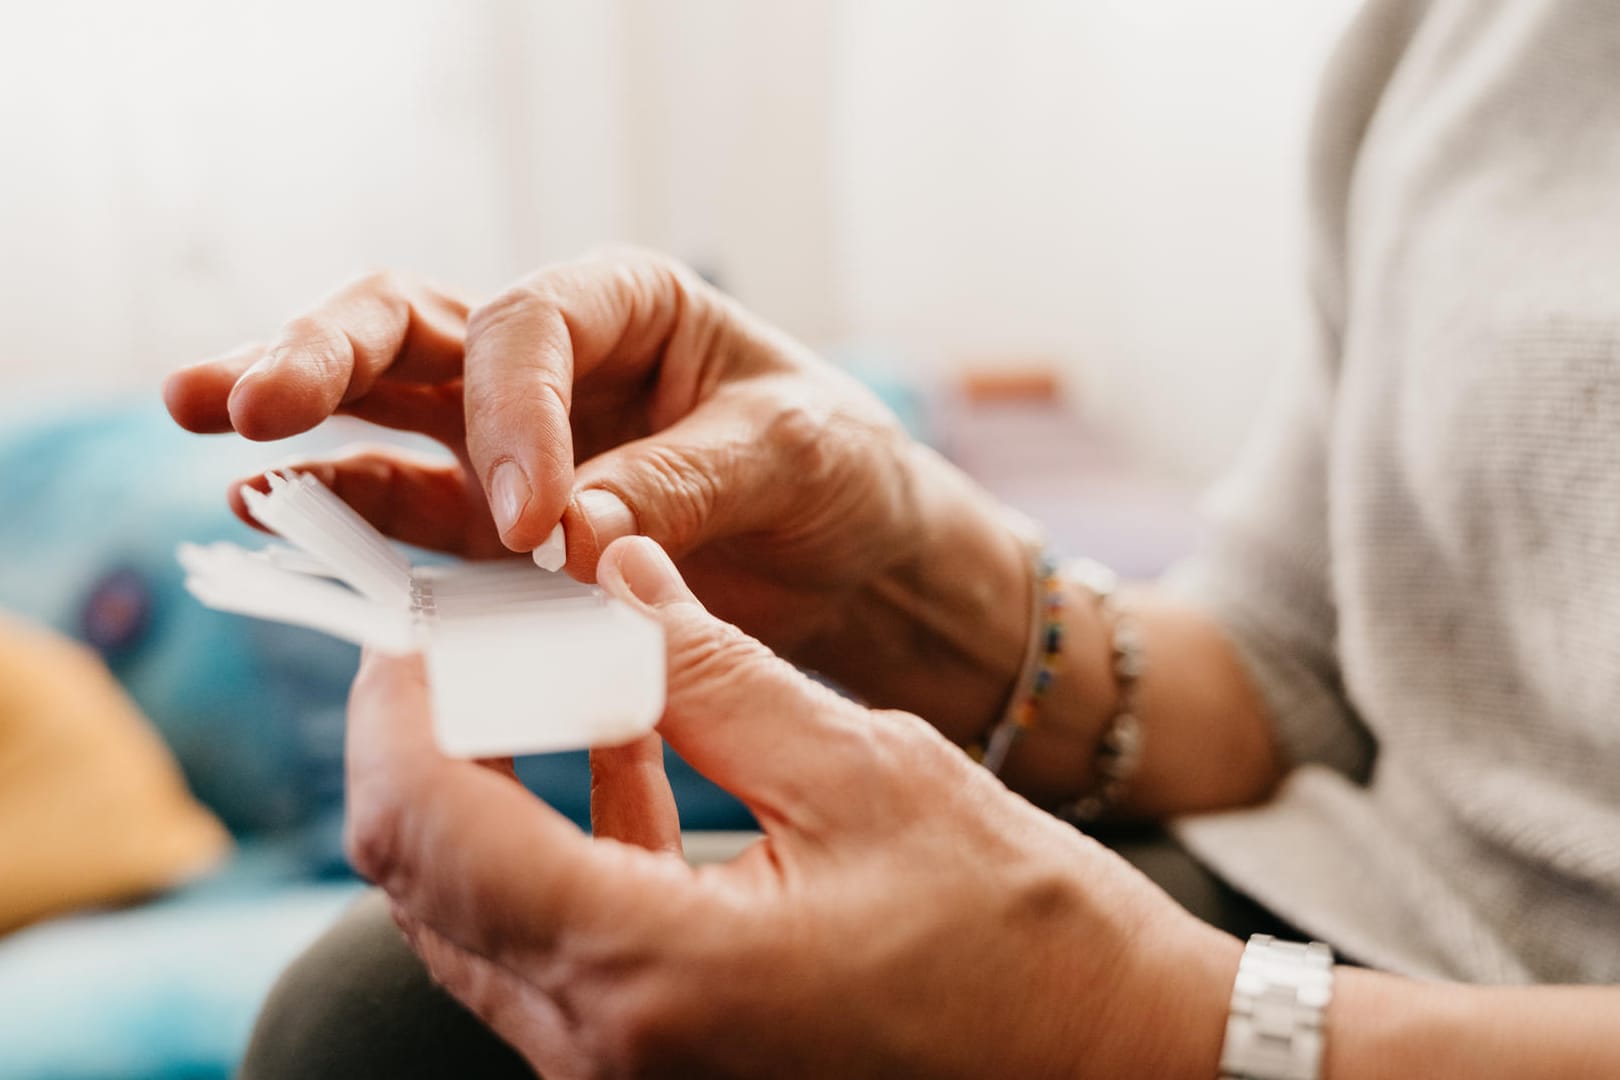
(1420, 556)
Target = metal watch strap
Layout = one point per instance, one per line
(1274, 1031)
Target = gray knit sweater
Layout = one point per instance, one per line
(1420, 557)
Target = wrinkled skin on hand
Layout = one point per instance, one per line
(904, 914)
(619, 394)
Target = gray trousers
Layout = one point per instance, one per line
(359, 1005)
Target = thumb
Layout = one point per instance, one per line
(718, 471)
(783, 744)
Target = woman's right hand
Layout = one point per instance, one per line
(619, 394)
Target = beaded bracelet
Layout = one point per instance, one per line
(1040, 662)
(1119, 751)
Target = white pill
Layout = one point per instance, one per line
(554, 552)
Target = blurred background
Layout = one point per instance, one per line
(1062, 237)
(1113, 184)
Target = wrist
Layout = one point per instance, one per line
(1383, 1025)
(1141, 992)
(1177, 1027)
(941, 631)
(1198, 1003)
(1276, 1026)
(1055, 758)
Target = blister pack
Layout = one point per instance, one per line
(519, 660)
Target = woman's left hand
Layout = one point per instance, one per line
(904, 914)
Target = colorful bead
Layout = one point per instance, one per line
(1021, 714)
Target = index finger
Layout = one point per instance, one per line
(526, 349)
(472, 854)
(373, 328)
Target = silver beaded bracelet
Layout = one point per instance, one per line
(1119, 751)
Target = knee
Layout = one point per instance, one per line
(359, 1004)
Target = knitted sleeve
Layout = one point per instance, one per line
(1265, 573)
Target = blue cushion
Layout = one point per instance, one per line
(168, 989)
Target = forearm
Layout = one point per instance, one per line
(1383, 1026)
(943, 634)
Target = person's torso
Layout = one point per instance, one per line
(1474, 489)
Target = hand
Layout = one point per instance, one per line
(903, 914)
(619, 394)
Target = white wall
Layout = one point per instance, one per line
(179, 174)
(731, 144)
(1117, 184)
(1112, 182)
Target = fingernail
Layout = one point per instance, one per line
(606, 514)
(554, 552)
(509, 493)
(651, 576)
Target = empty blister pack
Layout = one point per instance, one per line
(519, 660)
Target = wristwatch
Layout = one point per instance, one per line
(1274, 1031)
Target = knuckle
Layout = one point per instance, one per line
(899, 725)
(819, 444)
(903, 747)
(509, 405)
(523, 301)
(669, 275)
(648, 277)
(529, 313)
(316, 337)
(372, 839)
(1043, 896)
(713, 654)
(381, 281)
(896, 740)
(803, 439)
(683, 490)
(646, 281)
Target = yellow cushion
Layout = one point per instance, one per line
(93, 810)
